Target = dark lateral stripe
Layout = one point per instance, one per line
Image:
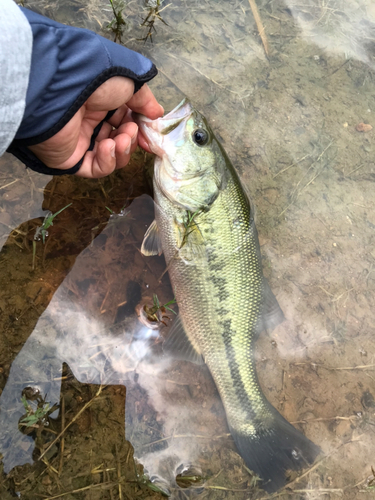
(235, 372)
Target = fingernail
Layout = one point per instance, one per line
(134, 137)
(113, 151)
(127, 150)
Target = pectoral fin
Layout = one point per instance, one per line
(179, 346)
(151, 244)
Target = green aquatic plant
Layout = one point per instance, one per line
(156, 313)
(189, 224)
(41, 231)
(118, 23)
(143, 480)
(371, 483)
(48, 221)
(152, 16)
(39, 415)
(122, 213)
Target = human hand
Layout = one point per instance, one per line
(117, 139)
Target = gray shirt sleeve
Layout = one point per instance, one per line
(15, 60)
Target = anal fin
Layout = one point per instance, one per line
(271, 314)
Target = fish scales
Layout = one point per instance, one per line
(221, 305)
(204, 225)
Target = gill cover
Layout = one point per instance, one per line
(190, 165)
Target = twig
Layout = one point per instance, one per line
(202, 74)
(225, 489)
(355, 170)
(321, 490)
(322, 419)
(71, 422)
(62, 444)
(260, 26)
(118, 473)
(292, 165)
(85, 488)
(9, 184)
(294, 194)
(171, 81)
(106, 480)
(332, 368)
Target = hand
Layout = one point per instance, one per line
(117, 139)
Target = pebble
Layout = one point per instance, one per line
(363, 127)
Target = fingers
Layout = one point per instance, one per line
(68, 146)
(142, 142)
(99, 162)
(110, 153)
(144, 102)
(111, 94)
(125, 138)
(119, 116)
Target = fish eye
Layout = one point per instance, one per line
(200, 136)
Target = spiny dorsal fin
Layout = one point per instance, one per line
(179, 346)
(151, 244)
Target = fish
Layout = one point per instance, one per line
(204, 225)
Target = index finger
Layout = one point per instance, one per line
(145, 103)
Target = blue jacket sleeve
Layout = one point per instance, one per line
(68, 64)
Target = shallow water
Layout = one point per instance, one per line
(288, 123)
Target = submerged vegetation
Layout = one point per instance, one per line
(371, 482)
(36, 417)
(118, 23)
(157, 312)
(41, 231)
(152, 16)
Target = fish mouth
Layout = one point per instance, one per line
(154, 131)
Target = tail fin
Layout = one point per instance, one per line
(272, 452)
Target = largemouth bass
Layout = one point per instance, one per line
(204, 225)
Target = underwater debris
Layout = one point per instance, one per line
(155, 315)
(363, 127)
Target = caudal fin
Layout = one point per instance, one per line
(272, 452)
